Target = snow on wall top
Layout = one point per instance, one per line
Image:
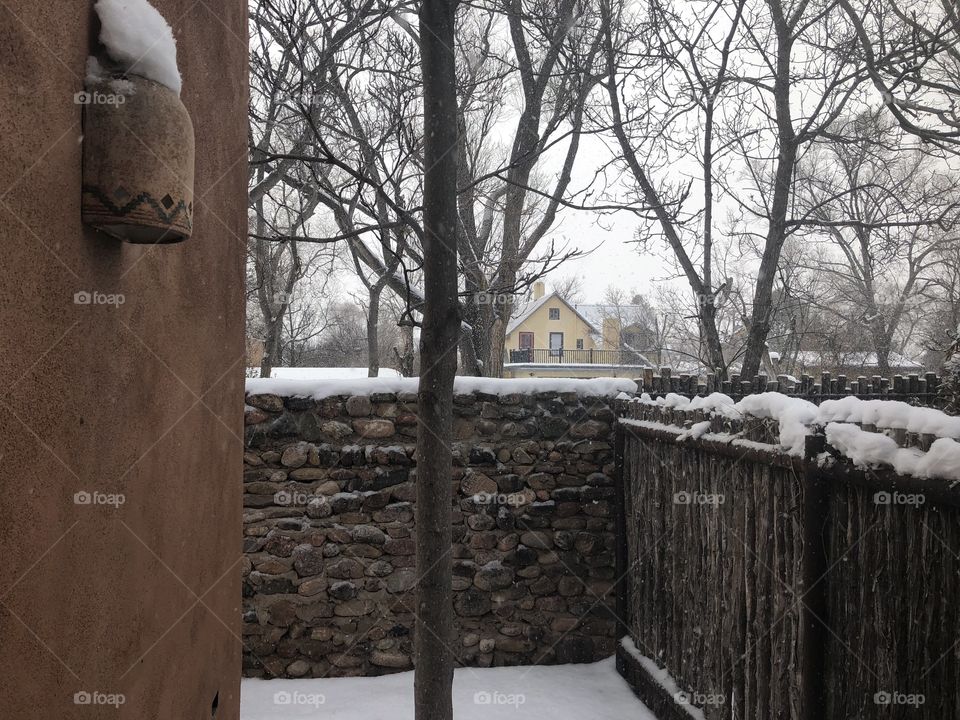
(795, 417)
(326, 373)
(138, 37)
(319, 389)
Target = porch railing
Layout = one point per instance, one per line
(549, 356)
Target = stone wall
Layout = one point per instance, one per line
(329, 577)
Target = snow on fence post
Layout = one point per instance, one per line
(926, 390)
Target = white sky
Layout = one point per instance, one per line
(617, 261)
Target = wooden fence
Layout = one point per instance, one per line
(915, 389)
(773, 586)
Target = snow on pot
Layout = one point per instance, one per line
(138, 143)
(138, 161)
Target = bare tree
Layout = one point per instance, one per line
(911, 49)
(282, 205)
(737, 91)
(570, 288)
(687, 73)
(276, 270)
(550, 54)
(885, 208)
(359, 153)
(941, 302)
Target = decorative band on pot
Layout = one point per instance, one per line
(138, 161)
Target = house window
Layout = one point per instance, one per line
(579, 343)
(526, 340)
(554, 313)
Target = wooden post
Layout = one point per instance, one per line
(621, 559)
(813, 628)
(647, 380)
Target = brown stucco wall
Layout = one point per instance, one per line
(143, 399)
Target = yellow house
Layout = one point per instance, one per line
(554, 338)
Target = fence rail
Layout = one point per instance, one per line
(775, 586)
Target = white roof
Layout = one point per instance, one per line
(855, 359)
(596, 314)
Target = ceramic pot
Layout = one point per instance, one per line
(138, 161)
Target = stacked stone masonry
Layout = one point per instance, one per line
(329, 577)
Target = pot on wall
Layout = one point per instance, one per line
(138, 161)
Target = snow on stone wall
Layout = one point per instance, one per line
(329, 387)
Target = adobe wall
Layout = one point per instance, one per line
(142, 400)
(328, 578)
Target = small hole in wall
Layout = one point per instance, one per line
(214, 705)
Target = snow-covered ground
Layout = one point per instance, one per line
(558, 692)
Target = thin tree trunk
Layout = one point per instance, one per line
(711, 336)
(270, 344)
(373, 332)
(498, 338)
(882, 342)
(433, 677)
(782, 188)
(406, 355)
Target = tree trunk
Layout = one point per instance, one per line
(271, 347)
(711, 336)
(433, 677)
(497, 335)
(779, 207)
(373, 333)
(406, 355)
(882, 342)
